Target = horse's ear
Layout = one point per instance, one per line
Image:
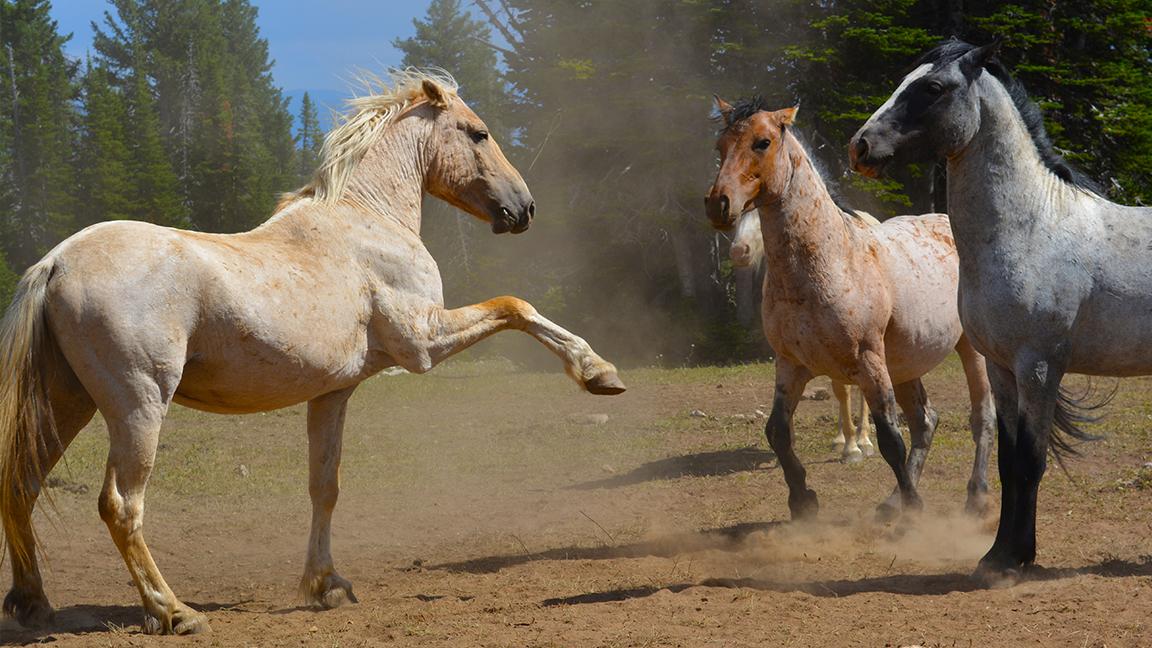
(724, 108)
(788, 115)
(972, 63)
(435, 94)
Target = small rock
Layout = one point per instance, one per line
(588, 419)
(817, 394)
(1148, 466)
(243, 471)
(313, 629)
(607, 468)
(761, 414)
(698, 414)
(740, 417)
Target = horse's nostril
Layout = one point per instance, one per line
(861, 148)
(724, 206)
(532, 210)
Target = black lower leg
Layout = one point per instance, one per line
(802, 501)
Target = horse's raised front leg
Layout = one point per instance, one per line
(321, 584)
(982, 421)
(877, 388)
(451, 331)
(847, 444)
(998, 558)
(134, 420)
(790, 382)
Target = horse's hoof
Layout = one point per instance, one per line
(606, 383)
(887, 511)
(838, 446)
(853, 457)
(330, 591)
(184, 621)
(29, 610)
(991, 576)
(868, 450)
(977, 506)
(804, 506)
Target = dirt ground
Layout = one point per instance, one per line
(480, 507)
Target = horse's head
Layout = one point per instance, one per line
(755, 167)
(748, 244)
(933, 114)
(468, 170)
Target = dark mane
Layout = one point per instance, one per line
(950, 50)
(745, 108)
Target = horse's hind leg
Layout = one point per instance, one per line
(321, 584)
(864, 429)
(876, 384)
(849, 450)
(922, 421)
(982, 421)
(72, 408)
(134, 420)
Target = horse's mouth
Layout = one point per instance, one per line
(504, 221)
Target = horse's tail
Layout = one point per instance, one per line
(26, 422)
(1072, 411)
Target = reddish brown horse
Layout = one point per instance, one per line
(869, 304)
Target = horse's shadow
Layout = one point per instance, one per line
(86, 619)
(701, 464)
(903, 584)
(724, 539)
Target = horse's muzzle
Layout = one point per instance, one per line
(719, 210)
(507, 221)
(865, 158)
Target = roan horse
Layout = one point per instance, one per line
(129, 317)
(854, 443)
(1054, 278)
(872, 305)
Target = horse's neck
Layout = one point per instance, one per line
(999, 189)
(389, 181)
(805, 229)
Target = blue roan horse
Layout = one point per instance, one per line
(1054, 278)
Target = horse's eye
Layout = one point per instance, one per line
(479, 136)
(761, 145)
(933, 88)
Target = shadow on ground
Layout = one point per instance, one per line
(724, 539)
(917, 585)
(701, 464)
(85, 619)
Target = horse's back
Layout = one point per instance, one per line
(244, 324)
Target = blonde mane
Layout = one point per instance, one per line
(358, 129)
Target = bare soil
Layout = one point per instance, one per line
(484, 507)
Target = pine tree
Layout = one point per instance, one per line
(308, 140)
(37, 120)
(156, 189)
(450, 38)
(226, 126)
(8, 281)
(104, 172)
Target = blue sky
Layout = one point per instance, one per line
(316, 43)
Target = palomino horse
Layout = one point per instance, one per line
(872, 305)
(854, 443)
(1054, 278)
(129, 317)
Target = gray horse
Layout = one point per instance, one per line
(1054, 278)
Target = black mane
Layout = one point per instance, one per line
(950, 50)
(745, 108)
